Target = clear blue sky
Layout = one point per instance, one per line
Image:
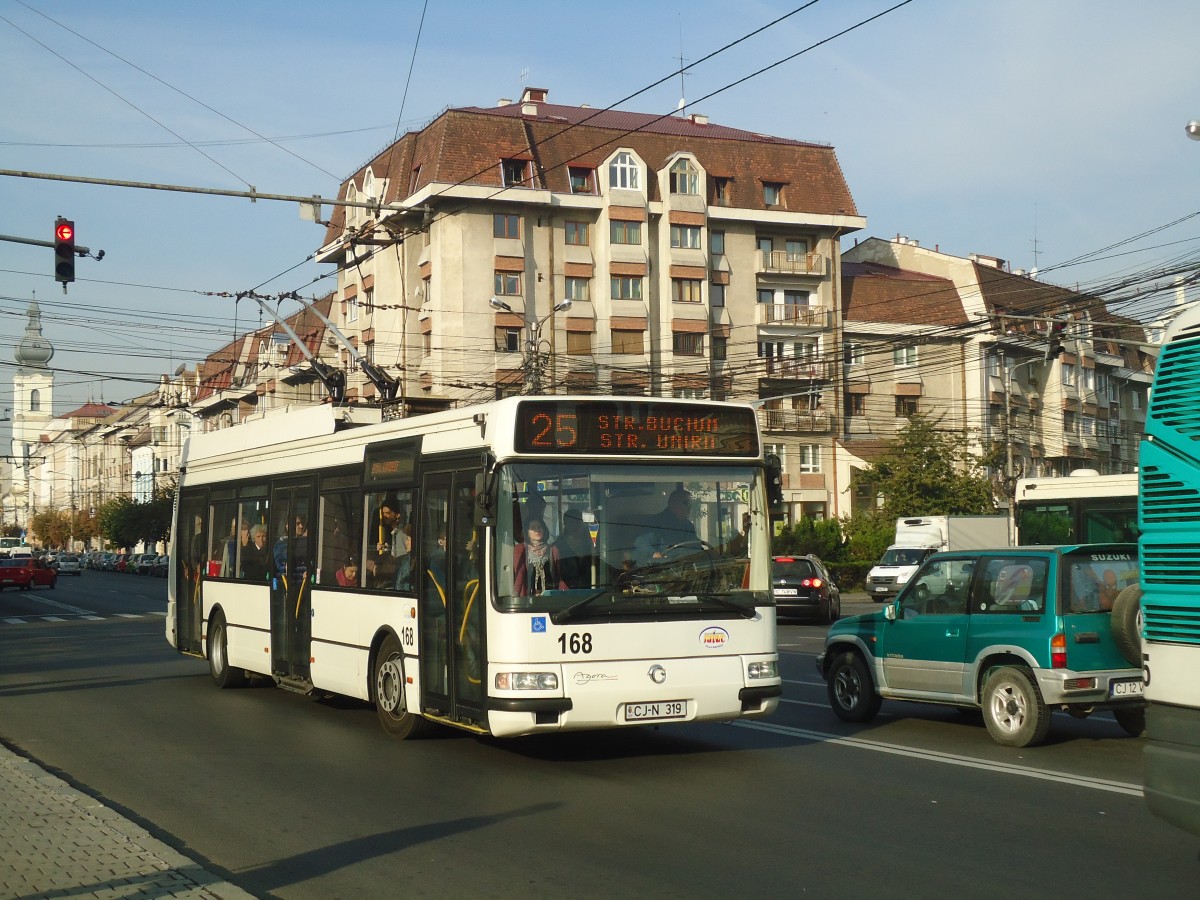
(965, 124)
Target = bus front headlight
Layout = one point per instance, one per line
(767, 668)
(527, 681)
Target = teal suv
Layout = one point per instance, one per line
(1015, 633)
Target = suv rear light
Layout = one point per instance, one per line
(1058, 651)
(1079, 684)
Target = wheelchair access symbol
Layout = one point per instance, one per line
(538, 625)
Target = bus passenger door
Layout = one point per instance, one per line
(452, 597)
(191, 548)
(291, 574)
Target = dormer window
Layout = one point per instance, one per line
(684, 179)
(515, 172)
(623, 172)
(772, 193)
(581, 180)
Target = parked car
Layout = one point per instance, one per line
(68, 564)
(162, 565)
(143, 563)
(121, 563)
(108, 561)
(802, 587)
(1015, 632)
(26, 572)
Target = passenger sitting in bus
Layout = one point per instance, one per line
(574, 549)
(347, 575)
(536, 563)
(232, 546)
(256, 558)
(404, 565)
(299, 549)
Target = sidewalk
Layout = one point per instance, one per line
(58, 842)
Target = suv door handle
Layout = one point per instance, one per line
(952, 632)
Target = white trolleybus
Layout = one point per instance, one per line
(531, 565)
(1081, 508)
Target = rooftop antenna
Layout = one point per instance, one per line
(682, 93)
(524, 77)
(1036, 251)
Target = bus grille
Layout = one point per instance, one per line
(1174, 410)
(1166, 499)
(1174, 624)
(1170, 563)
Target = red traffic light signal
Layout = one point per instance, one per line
(64, 250)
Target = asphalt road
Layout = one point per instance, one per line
(292, 798)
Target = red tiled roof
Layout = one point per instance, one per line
(90, 410)
(876, 293)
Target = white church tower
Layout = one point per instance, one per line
(33, 404)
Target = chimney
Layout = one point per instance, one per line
(503, 101)
(529, 109)
(699, 119)
(534, 95)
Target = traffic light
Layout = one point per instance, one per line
(64, 250)
(1057, 328)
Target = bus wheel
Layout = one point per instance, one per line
(1131, 719)
(1126, 622)
(1013, 709)
(389, 692)
(223, 674)
(851, 689)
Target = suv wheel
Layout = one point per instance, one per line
(851, 689)
(1013, 709)
(1131, 719)
(1126, 623)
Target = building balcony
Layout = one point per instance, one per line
(781, 262)
(795, 420)
(794, 315)
(814, 369)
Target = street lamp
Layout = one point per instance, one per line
(533, 363)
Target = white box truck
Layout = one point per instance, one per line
(919, 536)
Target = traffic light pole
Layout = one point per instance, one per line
(79, 251)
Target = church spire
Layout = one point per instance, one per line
(34, 351)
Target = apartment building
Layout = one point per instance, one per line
(626, 253)
(965, 341)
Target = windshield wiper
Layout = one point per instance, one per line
(743, 611)
(564, 615)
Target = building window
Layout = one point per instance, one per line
(623, 172)
(578, 290)
(687, 343)
(514, 171)
(772, 193)
(906, 407)
(1089, 379)
(810, 459)
(368, 303)
(414, 179)
(1135, 400)
(506, 225)
(622, 232)
(993, 364)
(905, 357)
(721, 191)
(765, 246)
(581, 180)
(427, 343)
(352, 309)
(766, 295)
(508, 284)
(795, 250)
(716, 295)
(1068, 374)
(856, 404)
(720, 348)
(577, 234)
(716, 243)
(684, 179)
(627, 341)
(1069, 423)
(1088, 424)
(854, 354)
(579, 343)
(776, 450)
(508, 340)
(686, 237)
(686, 290)
(626, 287)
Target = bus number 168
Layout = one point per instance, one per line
(575, 643)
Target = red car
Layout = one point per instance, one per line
(25, 572)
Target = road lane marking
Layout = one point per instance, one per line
(66, 607)
(1096, 784)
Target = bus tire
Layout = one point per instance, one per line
(1013, 708)
(1132, 719)
(387, 690)
(223, 675)
(851, 689)
(1126, 623)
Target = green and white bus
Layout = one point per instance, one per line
(399, 562)
(1169, 517)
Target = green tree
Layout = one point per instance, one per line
(928, 472)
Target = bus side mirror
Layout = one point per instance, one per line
(485, 499)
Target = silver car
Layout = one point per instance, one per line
(68, 564)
